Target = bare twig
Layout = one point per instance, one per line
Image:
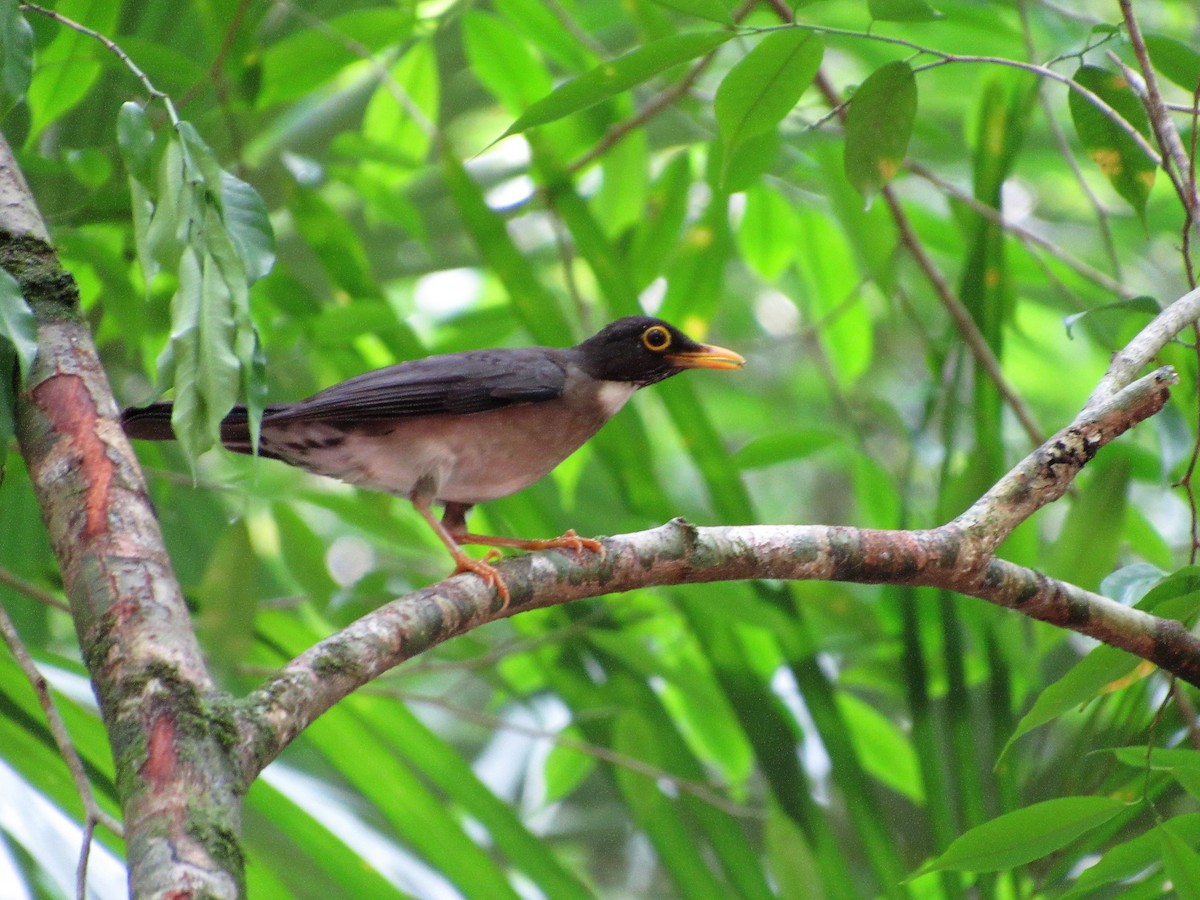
(1064, 151)
(115, 49)
(964, 322)
(62, 739)
(32, 591)
(1091, 273)
(1165, 131)
(1134, 356)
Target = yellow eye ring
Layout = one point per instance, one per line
(656, 338)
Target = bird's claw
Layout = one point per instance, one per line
(488, 573)
(569, 540)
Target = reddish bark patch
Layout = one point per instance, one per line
(66, 402)
(160, 752)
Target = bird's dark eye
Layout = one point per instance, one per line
(656, 338)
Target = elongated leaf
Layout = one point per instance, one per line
(17, 325)
(765, 84)
(1016, 838)
(135, 137)
(1129, 858)
(878, 127)
(1181, 861)
(502, 59)
(617, 75)
(1130, 171)
(16, 56)
(406, 122)
(1175, 59)
(249, 225)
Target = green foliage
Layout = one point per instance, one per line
(1110, 145)
(351, 187)
(879, 125)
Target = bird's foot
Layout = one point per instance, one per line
(488, 573)
(569, 540)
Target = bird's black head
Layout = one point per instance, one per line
(644, 350)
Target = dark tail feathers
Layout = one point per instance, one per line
(153, 423)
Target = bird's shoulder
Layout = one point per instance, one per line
(467, 382)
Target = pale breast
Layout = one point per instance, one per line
(469, 458)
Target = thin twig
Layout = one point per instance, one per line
(943, 58)
(959, 314)
(1160, 120)
(1064, 151)
(1091, 273)
(112, 46)
(58, 728)
(32, 591)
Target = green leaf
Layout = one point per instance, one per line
(308, 58)
(765, 84)
(1182, 863)
(503, 61)
(1175, 59)
(903, 11)
(406, 122)
(1143, 304)
(1118, 155)
(69, 65)
(879, 125)
(610, 78)
(768, 233)
(713, 10)
(1125, 860)
(16, 56)
(17, 325)
(135, 137)
(1105, 665)
(249, 225)
(784, 446)
(1024, 835)
(884, 749)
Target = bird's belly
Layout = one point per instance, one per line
(463, 459)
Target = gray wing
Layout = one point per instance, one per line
(470, 382)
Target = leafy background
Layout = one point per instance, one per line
(429, 190)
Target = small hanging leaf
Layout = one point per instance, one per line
(17, 325)
(903, 11)
(610, 78)
(1142, 304)
(879, 124)
(1175, 59)
(249, 226)
(764, 85)
(16, 56)
(1024, 835)
(1130, 171)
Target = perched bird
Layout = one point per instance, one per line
(463, 428)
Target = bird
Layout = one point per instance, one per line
(463, 428)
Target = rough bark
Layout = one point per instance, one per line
(171, 731)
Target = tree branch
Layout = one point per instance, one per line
(160, 708)
(956, 556)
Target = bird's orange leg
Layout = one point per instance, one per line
(462, 562)
(455, 523)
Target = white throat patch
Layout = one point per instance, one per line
(614, 394)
